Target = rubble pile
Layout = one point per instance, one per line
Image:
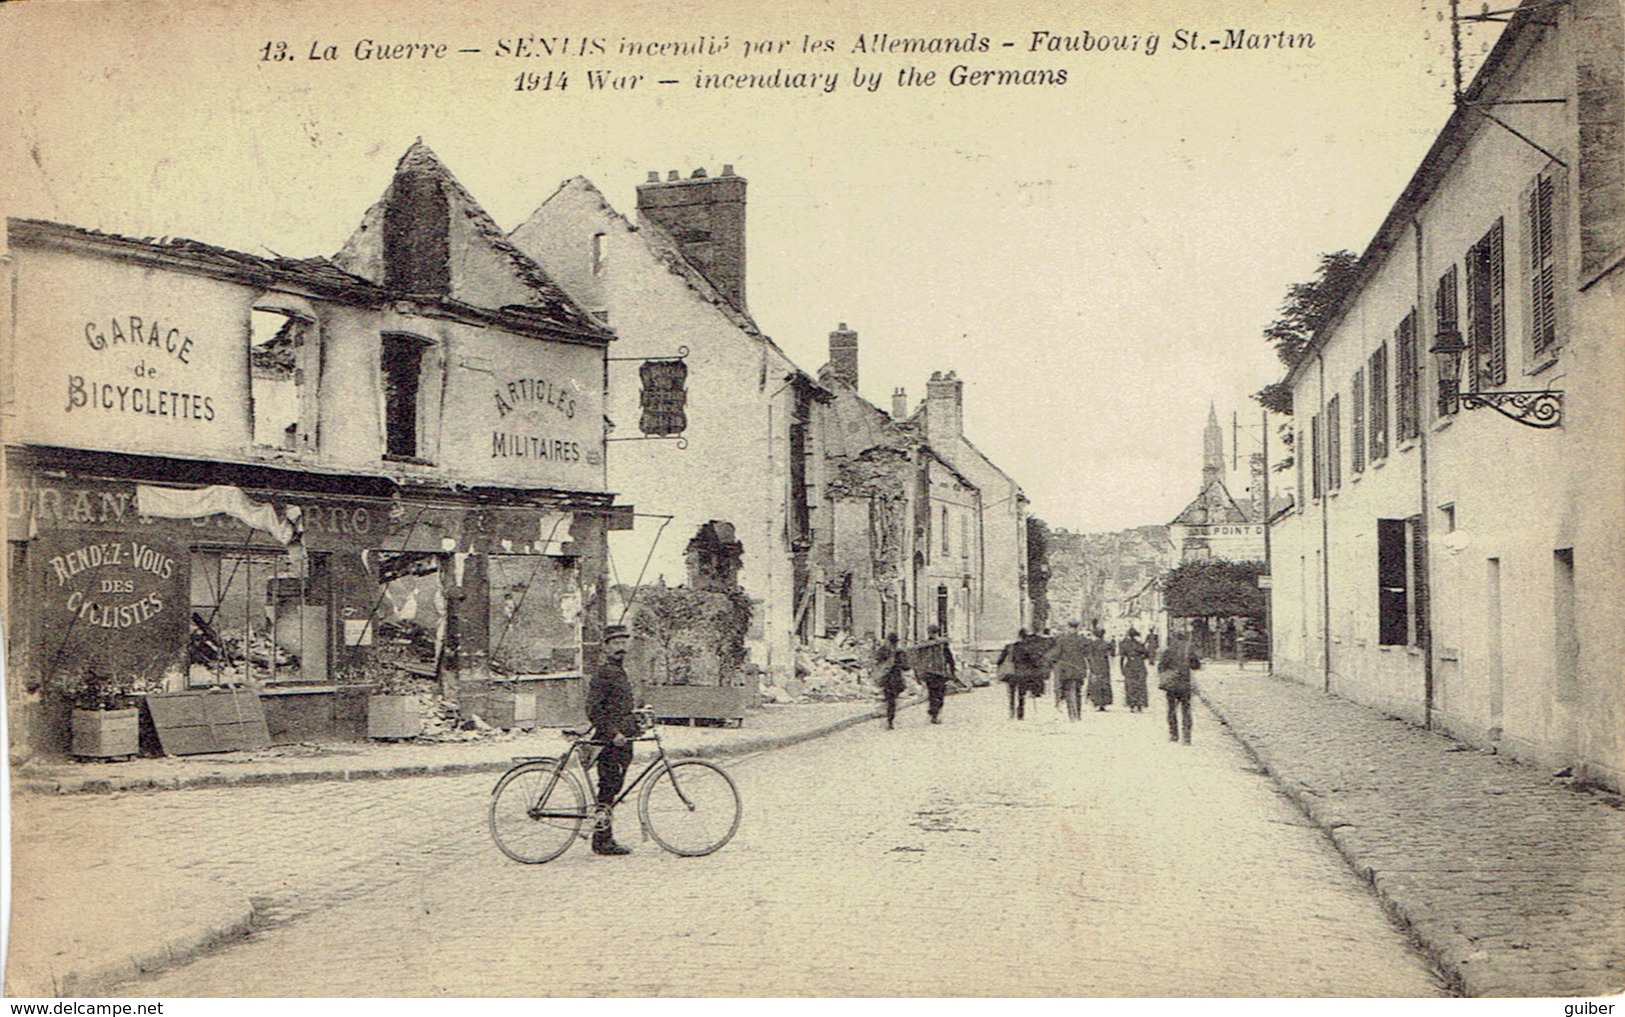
(828, 672)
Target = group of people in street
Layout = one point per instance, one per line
(1080, 665)
(931, 661)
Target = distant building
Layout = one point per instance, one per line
(1216, 525)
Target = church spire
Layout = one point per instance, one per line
(1212, 449)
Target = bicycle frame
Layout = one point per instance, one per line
(579, 750)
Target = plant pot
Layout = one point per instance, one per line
(393, 717)
(105, 734)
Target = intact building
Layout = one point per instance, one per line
(1216, 525)
(1447, 564)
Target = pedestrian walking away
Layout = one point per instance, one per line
(1174, 670)
(888, 672)
(933, 664)
(1070, 659)
(611, 706)
(1021, 668)
(1131, 657)
(1098, 653)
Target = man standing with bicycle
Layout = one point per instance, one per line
(610, 708)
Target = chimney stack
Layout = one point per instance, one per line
(944, 408)
(706, 216)
(899, 404)
(843, 355)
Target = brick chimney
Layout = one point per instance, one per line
(944, 408)
(706, 216)
(899, 404)
(417, 221)
(843, 355)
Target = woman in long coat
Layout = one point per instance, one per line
(1099, 654)
(1131, 657)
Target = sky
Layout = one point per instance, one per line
(1096, 259)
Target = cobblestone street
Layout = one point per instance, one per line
(1041, 858)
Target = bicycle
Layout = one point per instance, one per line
(689, 806)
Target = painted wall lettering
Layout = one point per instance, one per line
(91, 601)
(536, 392)
(131, 330)
(530, 446)
(112, 397)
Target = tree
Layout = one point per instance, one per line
(1214, 587)
(1038, 570)
(1307, 308)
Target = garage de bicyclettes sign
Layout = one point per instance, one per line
(127, 359)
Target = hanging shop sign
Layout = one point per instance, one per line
(663, 397)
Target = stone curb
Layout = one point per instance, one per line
(1441, 944)
(233, 921)
(110, 785)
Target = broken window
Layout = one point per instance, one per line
(277, 358)
(402, 359)
(535, 619)
(406, 625)
(256, 618)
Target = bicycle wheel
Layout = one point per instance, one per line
(536, 811)
(690, 808)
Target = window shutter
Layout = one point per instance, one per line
(1334, 445)
(1495, 365)
(1445, 314)
(1543, 209)
(1357, 423)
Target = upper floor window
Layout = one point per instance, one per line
(1447, 319)
(1357, 422)
(1543, 214)
(283, 360)
(599, 254)
(945, 548)
(1334, 445)
(403, 360)
(1486, 311)
(1317, 467)
(1407, 408)
(1377, 405)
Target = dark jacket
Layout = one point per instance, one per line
(888, 670)
(610, 701)
(1175, 667)
(932, 658)
(1069, 655)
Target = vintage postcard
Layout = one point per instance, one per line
(821, 499)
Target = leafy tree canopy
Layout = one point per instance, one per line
(1307, 307)
(1214, 587)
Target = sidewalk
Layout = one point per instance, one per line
(1511, 879)
(149, 916)
(769, 727)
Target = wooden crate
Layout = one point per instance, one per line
(700, 702)
(507, 709)
(393, 717)
(103, 734)
(209, 720)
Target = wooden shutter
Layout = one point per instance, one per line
(1357, 423)
(1542, 243)
(1446, 315)
(1495, 361)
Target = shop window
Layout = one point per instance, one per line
(256, 618)
(1393, 600)
(405, 628)
(1486, 312)
(278, 371)
(1377, 405)
(535, 614)
(403, 361)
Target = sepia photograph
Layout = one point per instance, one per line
(824, 499)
